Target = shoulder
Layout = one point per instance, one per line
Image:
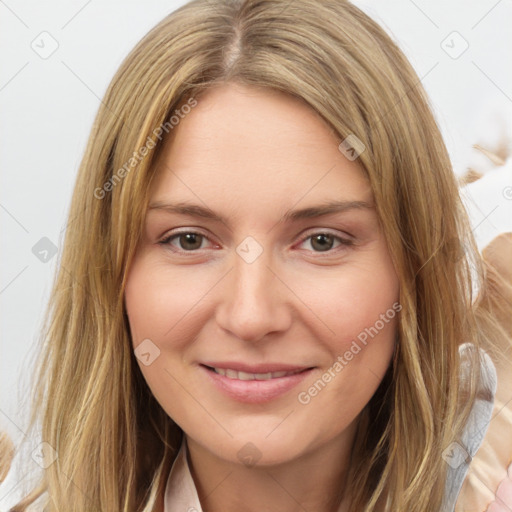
(458, 454)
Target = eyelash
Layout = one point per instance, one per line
(167, 239)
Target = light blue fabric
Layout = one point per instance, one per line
(459, 454)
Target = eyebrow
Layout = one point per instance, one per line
(329, 207)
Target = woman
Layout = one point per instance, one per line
(304, 350)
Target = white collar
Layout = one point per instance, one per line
(180, 492)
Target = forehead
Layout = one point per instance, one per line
(253, 146)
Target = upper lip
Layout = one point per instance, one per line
(255, 368)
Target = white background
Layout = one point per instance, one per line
(48, 105)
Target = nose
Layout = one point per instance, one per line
(254, 301)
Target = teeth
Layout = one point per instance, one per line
(233, 374)
(262, 376)
(280, 374)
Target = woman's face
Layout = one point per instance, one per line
(263, 257)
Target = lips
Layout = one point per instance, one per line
(255, 368)
(233, 374)
(254, 383)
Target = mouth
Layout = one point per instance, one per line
(231, 373)
(254, 386)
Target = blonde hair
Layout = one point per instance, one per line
(114, 441)
(6, 454)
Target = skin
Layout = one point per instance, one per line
(296, 303)
(497, 447)
(503, 501)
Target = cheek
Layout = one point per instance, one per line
(156, 312)
(161, 303)
(356, 298)
(360, 307)
(165, 306)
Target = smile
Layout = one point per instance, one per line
(234, 374)
(254, 386)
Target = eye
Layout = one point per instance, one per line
(186, 241)
(324, 241)
(190, 241)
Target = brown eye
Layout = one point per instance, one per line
(326, 242)
(186, 241)
(322, 242)
(190, 241)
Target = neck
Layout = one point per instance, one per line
(314, 481)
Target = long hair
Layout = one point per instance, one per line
(114, 442)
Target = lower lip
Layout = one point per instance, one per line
(255, 391)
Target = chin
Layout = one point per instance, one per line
(261, 449)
